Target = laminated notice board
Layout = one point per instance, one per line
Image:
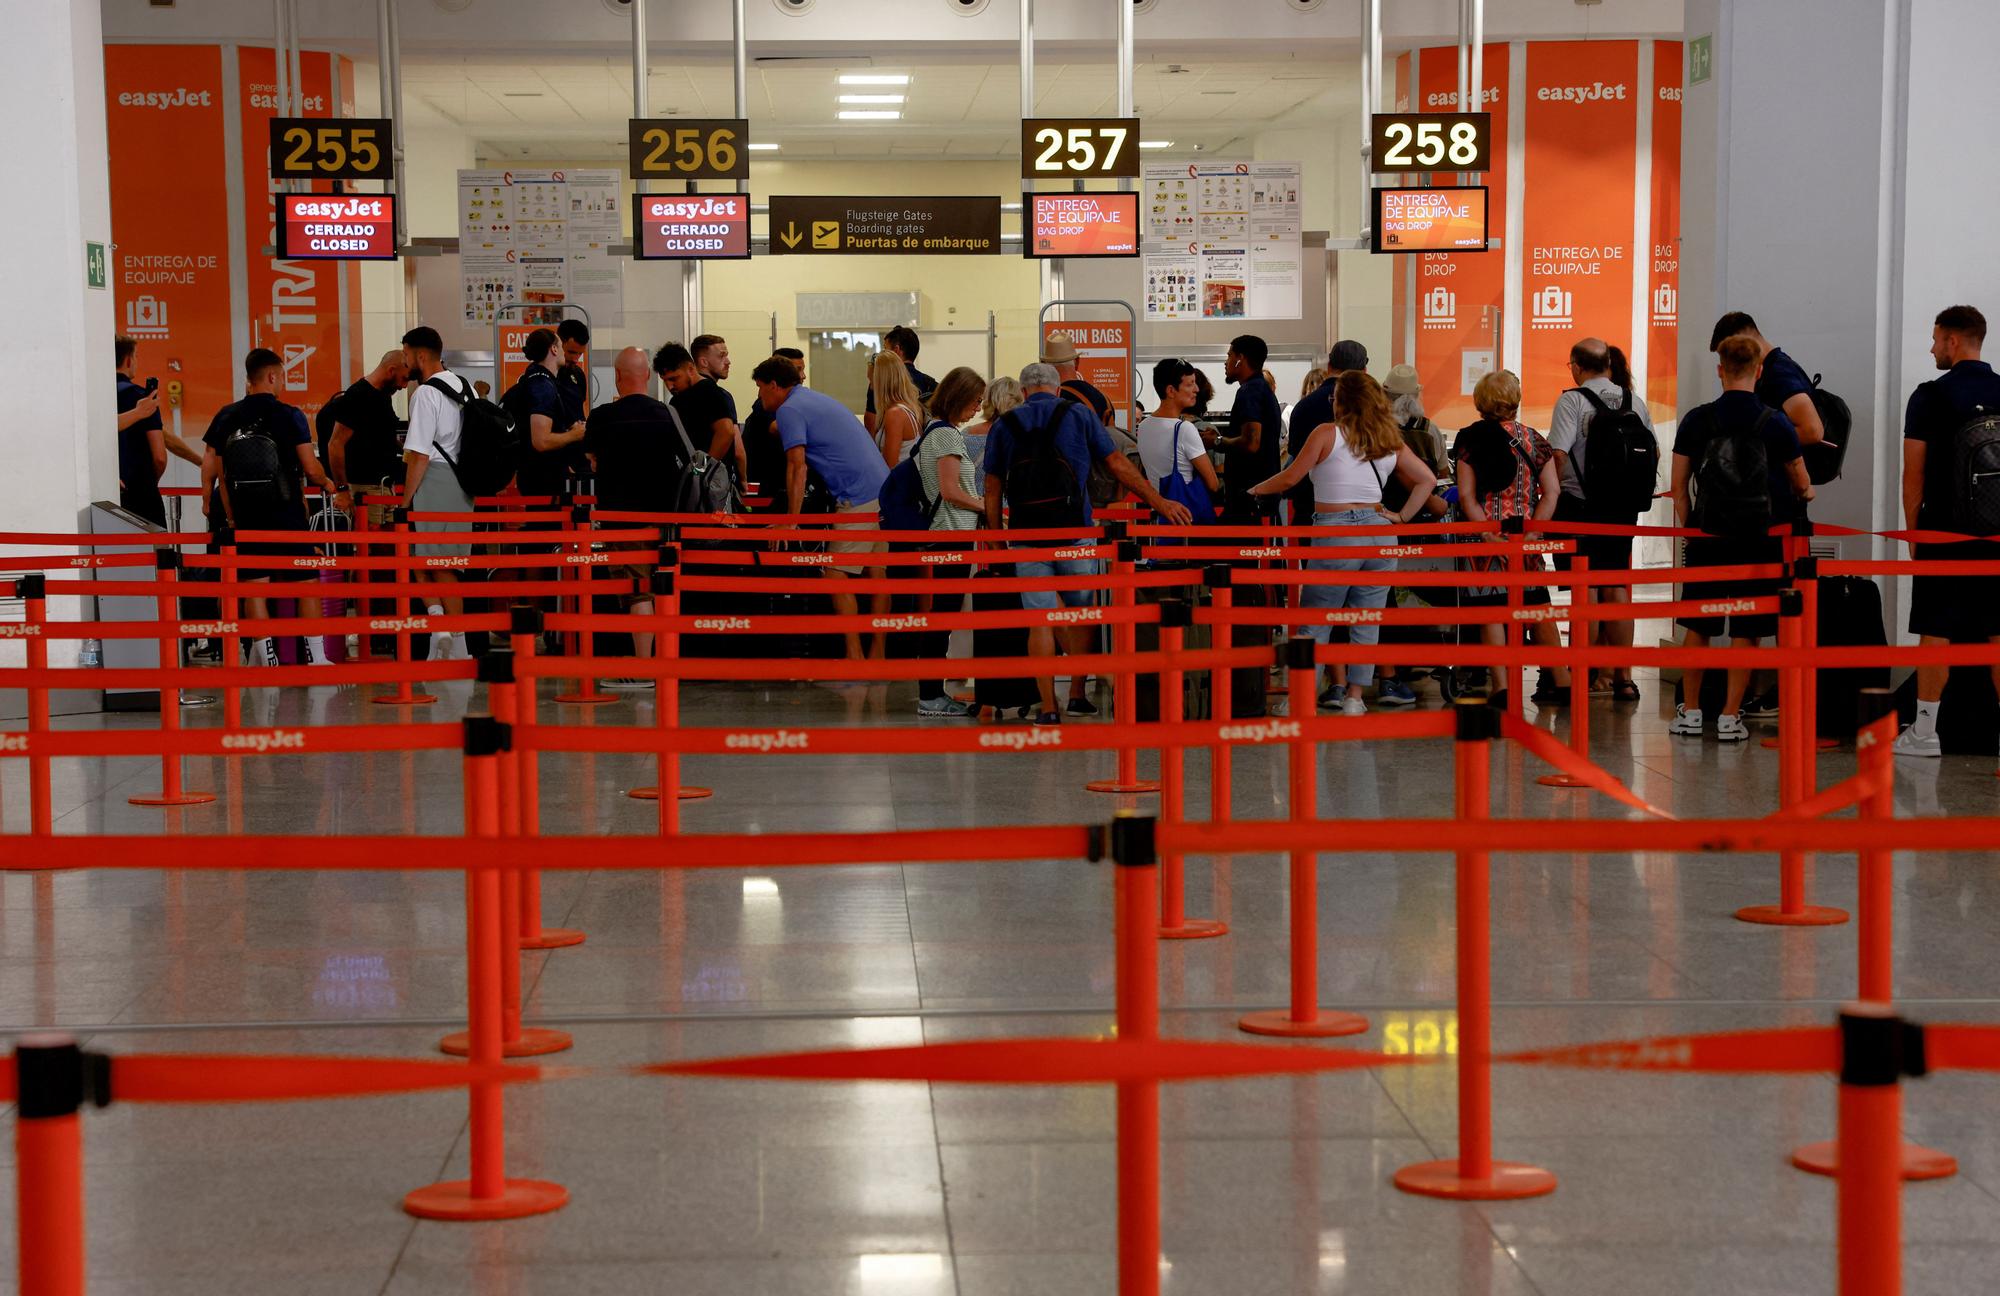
(1221, 240)
(529, 236)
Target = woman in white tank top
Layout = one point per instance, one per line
(1351, 462)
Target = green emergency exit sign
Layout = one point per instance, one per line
(1701, 59)
(93, 265)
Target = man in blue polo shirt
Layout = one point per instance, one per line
(818, 433)
(1080, 440)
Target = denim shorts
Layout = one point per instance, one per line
(1049, 600)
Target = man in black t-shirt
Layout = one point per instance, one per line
(362, 455)
(1733, 413)
(573, 382)
(1251, 448)
(142, 443)
(763, 451)
(707, 411)
(639, 452)
(537, 401)
(1781, 383)
(1946, 609)
(904, 341)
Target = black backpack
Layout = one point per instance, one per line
(259, 481)
(706, 485)
(1731, 485)
(1975, 474)
(1042, 489)
(489, 441)
(1621, 458)
(1823, 458)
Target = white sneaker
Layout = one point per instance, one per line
(1686, 723)
(1909, 744)
(1353, 706)
(1730, 728)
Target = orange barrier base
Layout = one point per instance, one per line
(453, 1200)
(1510, 1181)
(414, 699)
(552, 938)
(1809, 916)
(1194, 929)
(1113, 785)
(686, 793)
(534, 1042)
(1823, 744)
(1325, 1025)
(1918, 1162)
(181, 799)
(1561, 781)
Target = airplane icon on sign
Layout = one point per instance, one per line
(826, 234)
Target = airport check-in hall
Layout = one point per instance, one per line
(979, 647)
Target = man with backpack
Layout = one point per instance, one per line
(1609, 461)
(1951, 482)
(438, 456)
(540, 409)
(1738, 472)
(1038, 459)
(258, 458)
(1783, 384)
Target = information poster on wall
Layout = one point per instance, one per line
(1222, 240)
(540, 236)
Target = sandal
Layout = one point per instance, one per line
(1625, 691)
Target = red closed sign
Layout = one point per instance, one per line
(692, 227)
(337, 227)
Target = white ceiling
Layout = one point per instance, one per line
(966, 109)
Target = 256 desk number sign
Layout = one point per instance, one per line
(331, 148)
(681, 148)
(1066, 148)
(1431, 141)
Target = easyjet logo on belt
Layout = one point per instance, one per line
(722, 623)
(400, 623)
(810, 560)
(1579, 94)
(1022, 739)
(1353, 616)
(265, 741)
(1069, 616)
(13, 742)
(1549, 613)
(1268, 731)
(20, 632)
(1078, 551)
(944, 559)
(448, 562)
(583, 558)
(1543, 546)
(165, 99)
(313, 562)
(768, 741)
(899, 622)
(1729, 605)
(1260, 553)
(1401, 551)
(208, 628)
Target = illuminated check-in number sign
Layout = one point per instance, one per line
(678, 148)
(1431, 141)
(1065, 147)
(323, 148)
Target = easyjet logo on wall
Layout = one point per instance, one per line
(1449, 98)
(165, 99)
(1580, 93)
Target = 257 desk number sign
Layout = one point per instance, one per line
(331, 148)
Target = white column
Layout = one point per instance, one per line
(52, 93)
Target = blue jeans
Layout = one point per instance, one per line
(1349, 596)
(1049, 600)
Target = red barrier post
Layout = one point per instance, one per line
(1513, 563)
(166, 577)
(489, 1194)
(53, 1079)
(1222, 705)
(1175, 617)
(667, 698)
(1473, 1175)
(585, 691)
(1579, 675)
(235, 648)
(363, 547)
(524, 630)
(1792, 909)
(496, 672)
(1878, 1048)
(1137, 884)
(1875, 930)
(1125, 684)
(1304, 1018)
(33, 591)
(404, 695)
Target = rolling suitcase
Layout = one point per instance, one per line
(1014, 691)
(1850, 616)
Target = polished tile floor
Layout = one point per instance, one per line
(1668, 1185)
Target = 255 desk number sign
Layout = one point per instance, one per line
(331, 148)
(1063, 147)
(1431, 142)
(682, 148)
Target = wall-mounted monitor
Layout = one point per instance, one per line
(336, 227)
(1080, 224)
(691, 227)
(1435, 219)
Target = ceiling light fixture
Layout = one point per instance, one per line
(871, 99)
(875, 78)
(763, 148)
(1156, 144)
(869, 114)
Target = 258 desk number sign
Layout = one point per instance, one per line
(331, 148)
(681, 148)
(1431, 142)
